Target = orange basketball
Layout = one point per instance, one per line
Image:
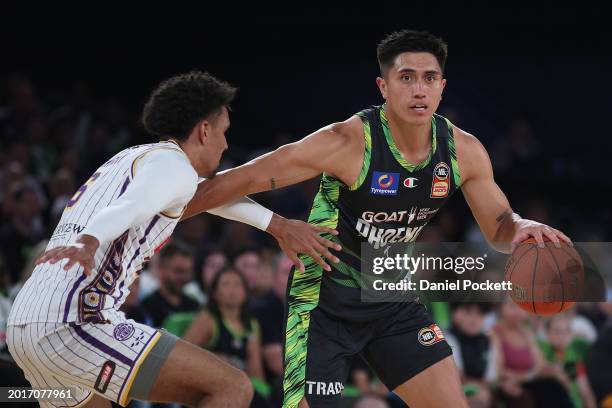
(545, 281)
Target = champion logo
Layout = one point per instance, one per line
(411, 182)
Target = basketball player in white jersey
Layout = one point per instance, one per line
(65, 328)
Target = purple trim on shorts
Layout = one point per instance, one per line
(135, 360)
(101, 346)
(70, 294)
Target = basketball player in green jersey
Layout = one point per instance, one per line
(385, 173)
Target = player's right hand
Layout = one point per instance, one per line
(82, 252)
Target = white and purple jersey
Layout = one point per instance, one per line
(132, 204)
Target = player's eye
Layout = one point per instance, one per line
(405, 77)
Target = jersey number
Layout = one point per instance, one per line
(81, 190)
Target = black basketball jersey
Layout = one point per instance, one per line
(391, 202)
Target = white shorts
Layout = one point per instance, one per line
(88, 357)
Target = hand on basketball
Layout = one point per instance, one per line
(529, 228)
(297, 237)
(81, 252)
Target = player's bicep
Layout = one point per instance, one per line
(487, 201)
(295, 162)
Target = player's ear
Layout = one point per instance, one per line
(382, 86)
(203, 131)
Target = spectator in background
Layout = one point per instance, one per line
(567, 352)
(23, 229)
(212, 261)
(175, 270)
(27, 270)
(248, 261)
(598, 360)
(476, 353)
(526, 380)
(227, 329)
(61, 187)
(194, 231)
(132, 307)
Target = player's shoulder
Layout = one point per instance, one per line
(168, 160)
(467, 144)
(349, 131)
(472, 157)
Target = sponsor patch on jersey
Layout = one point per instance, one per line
(108, 368)
(411, 182)
(430, 335)
(384, 183)
(440, 183)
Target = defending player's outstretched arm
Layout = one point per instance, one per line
(501, 226)
(327, 150)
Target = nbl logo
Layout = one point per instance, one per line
(384, 183)
(430, 335)
(440, 183)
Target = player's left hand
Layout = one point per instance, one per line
(80, 252)
(298, 237)
(528, 228)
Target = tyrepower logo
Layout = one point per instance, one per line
(384, 183)
(324, 388)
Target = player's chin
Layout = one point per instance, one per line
(418, 117)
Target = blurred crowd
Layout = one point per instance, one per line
(221, 285)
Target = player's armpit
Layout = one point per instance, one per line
(322, 151)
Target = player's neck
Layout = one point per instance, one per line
(190, 153)
(409, 137)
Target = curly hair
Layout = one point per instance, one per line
(180, 102)
(410, 41)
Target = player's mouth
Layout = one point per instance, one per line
(419, 107)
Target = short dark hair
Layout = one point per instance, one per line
(213, 305)
(175, 247)
(180, 102)
(410, 41)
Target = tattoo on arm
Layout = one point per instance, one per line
(272, 183)
(503, 216)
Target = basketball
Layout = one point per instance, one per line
(545, 281)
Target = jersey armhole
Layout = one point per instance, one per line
(367, 152)
(165, 213)
(453, 154)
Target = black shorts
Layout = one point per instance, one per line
(396, 348)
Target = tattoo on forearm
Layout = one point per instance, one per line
(503, 216)
(272, 183)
